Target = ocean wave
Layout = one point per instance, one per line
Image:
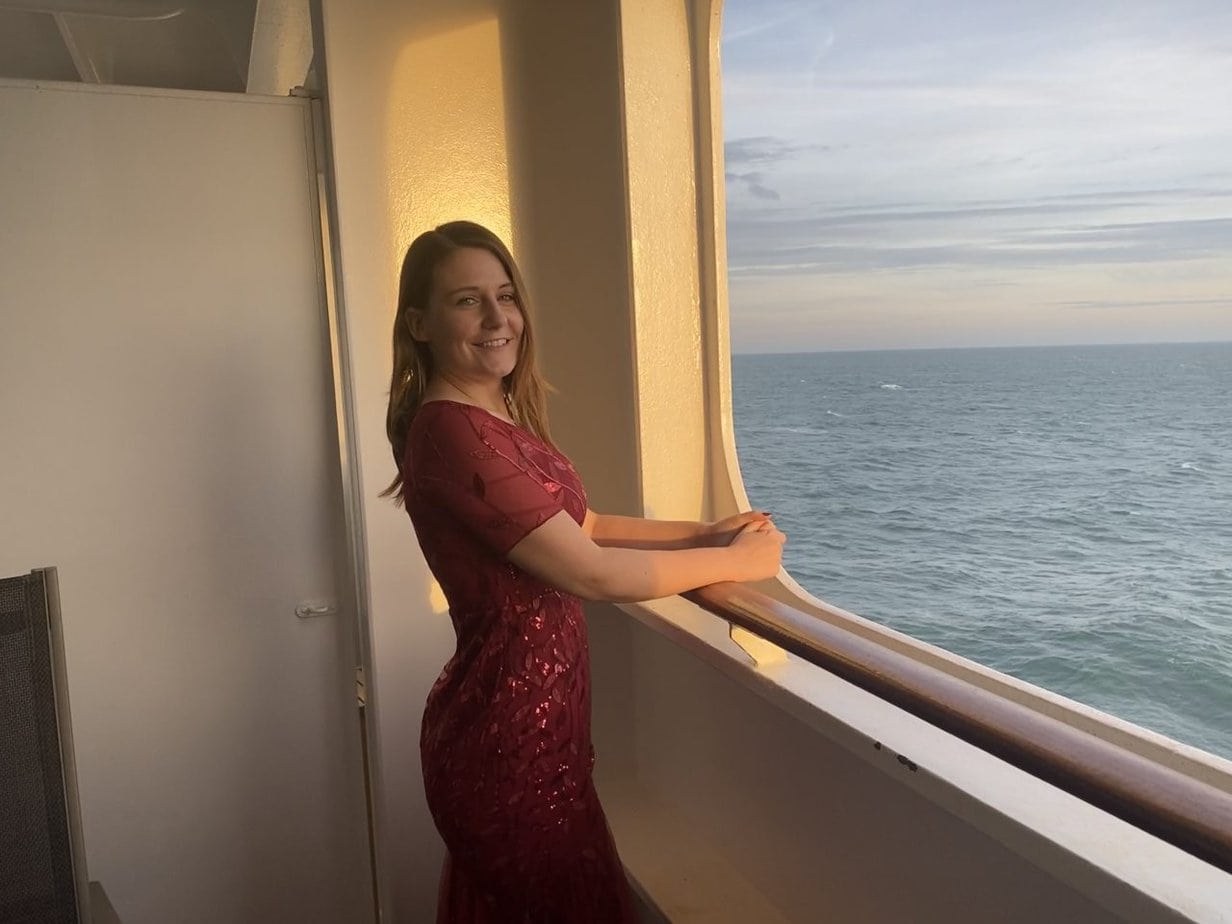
(1048, 519)
(797, 431)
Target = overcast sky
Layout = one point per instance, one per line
(977, 172)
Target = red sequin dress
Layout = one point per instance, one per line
(505, 741)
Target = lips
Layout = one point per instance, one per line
(495, 343)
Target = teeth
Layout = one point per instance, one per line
(495, 343)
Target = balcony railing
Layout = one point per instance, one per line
(1188, 813)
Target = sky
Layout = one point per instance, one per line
(907, 174)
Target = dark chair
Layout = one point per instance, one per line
(42, 856)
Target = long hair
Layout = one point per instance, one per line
(413, 368)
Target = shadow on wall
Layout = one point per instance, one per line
(564, 131)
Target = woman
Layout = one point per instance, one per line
(504, 525)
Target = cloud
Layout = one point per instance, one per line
(843, 259)
(766, 149)
(1116, 226)
(761, 151)
(765, 18)
(753, 184)
(1024, 143)
(1177, 303)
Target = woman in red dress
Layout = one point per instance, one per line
(504, 525)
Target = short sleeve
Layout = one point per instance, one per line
(482, 474)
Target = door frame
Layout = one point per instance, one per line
(329, 265)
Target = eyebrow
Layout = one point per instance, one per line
(503, 285)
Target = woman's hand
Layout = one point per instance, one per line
(722, 532)
(758, 548)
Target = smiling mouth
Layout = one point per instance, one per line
(494, 344)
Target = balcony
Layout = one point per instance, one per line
(744, 780)
(760, 787)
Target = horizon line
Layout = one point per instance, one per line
(1003, 346)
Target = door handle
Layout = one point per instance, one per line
(313, 610)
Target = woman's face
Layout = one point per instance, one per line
(473, 323)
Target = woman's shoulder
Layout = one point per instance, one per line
(441, 414)
(447, 430)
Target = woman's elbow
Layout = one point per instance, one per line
(595, 588)
(600, 586)
(613, 588)
(588, 585)
(599, 577)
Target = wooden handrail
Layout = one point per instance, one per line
(1188, 813)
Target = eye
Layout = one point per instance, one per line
(466, 301)
(509, 297)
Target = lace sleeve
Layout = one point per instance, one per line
(483, 476)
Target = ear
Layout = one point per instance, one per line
(416, 323)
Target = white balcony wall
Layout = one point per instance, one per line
(810, 828)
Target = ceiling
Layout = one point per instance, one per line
(238, 46)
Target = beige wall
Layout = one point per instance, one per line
(657, 66)
(567, 195)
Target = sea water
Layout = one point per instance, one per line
(1062, 514)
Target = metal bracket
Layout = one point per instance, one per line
(762, 652)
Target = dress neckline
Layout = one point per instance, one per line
(507, 423)
(523, 431)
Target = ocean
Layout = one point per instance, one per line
(1061, 514)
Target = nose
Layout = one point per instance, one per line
(491, 312)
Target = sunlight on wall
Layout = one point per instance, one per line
(660, 127)
(447, 151)
(436, 598)
(446, 143)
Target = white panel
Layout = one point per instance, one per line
(169, 445)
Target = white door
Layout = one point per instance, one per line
(168, 442)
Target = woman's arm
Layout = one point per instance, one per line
(609, 530)
(560, 553)
(639, 533)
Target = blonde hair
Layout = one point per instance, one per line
(525, 387)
